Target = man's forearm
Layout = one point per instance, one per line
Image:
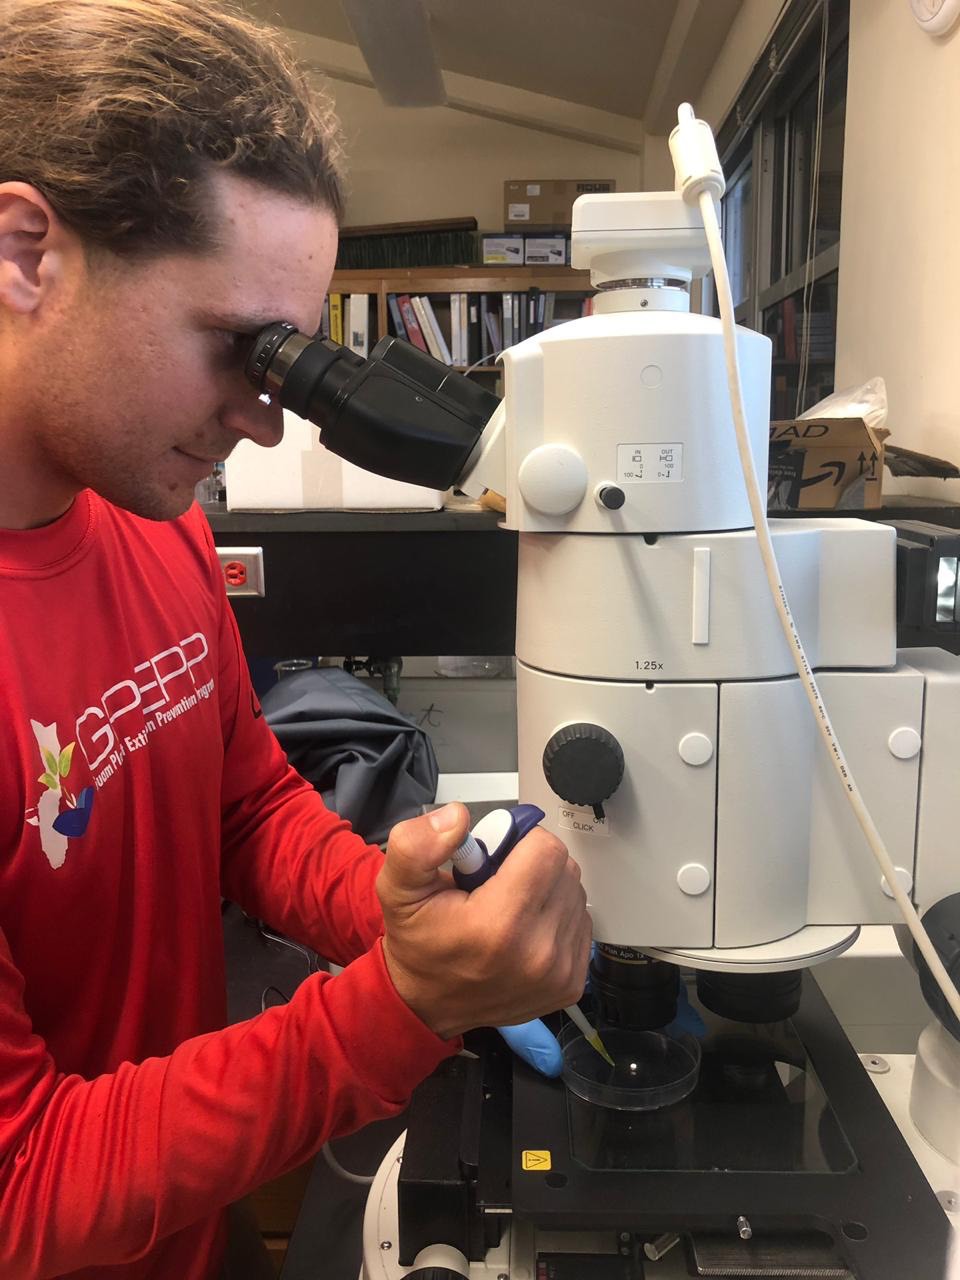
(111, 1165)
(292, 862)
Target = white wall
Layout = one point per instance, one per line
(452, 161)
(749, 33)
(434, 162)
(899, 243)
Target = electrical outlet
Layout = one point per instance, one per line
(242, 569)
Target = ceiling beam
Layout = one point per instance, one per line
(397, 45)
(673, 50)
(520, 119)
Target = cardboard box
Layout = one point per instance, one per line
(545, 251)
(503, 250)
(546, 204)
(301, 475)
(819, 464)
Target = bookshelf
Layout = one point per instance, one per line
(568, 286)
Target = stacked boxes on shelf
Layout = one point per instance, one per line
(537, 215)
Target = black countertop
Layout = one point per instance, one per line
(465, 519)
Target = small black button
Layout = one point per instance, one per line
(612, 497)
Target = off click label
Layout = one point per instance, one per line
(577, 818)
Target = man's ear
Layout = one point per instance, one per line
(34, 247)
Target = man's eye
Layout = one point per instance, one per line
(235, 344)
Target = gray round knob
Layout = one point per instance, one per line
(694, 879)
(904, 743)
(695, 748)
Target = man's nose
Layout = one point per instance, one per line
(249, 417)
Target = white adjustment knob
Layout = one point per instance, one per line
(553, 479)
(695, 748)
(905, 878)
(694, 879)
(904, 743)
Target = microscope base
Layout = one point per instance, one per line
(797, 1150)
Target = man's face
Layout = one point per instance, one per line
(138, 384)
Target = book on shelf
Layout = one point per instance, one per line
(357, 323)
(436, 343)
(494, 330)
(438, 333)
(485, 348)
(464, 329)
(447, 242)
(533, 303)
(411, 322)
(336, 318)
(425, 327)
(474, 344)
(507, 324)
(399, 328)
(325, 318)
(456, 353)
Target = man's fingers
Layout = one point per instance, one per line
(418, 848)
(531, 871)
(517, 947)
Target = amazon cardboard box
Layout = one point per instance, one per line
(820, 464)
(546, 204)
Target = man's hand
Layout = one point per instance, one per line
(515, 948)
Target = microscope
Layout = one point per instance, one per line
(672, 736)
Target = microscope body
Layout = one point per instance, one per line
(662, 726)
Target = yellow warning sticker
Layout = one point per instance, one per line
(535, 1161)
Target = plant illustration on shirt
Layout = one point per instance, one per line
(56, 826)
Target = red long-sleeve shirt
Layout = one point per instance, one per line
(138, 782)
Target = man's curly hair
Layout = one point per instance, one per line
(118, 112)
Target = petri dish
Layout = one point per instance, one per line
(650, 1068)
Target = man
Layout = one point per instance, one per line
(168, 183)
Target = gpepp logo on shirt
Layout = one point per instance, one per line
(158, 692)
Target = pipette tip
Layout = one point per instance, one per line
(600, 1047)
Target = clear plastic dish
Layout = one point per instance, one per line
(651, 1069)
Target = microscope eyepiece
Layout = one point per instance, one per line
(399, 413)
(264, 348)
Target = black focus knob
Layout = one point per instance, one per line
(612, 497)
(434, 1273)
(583, 764)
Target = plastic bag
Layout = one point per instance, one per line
(868, 401)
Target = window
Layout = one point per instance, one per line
(782, 151)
